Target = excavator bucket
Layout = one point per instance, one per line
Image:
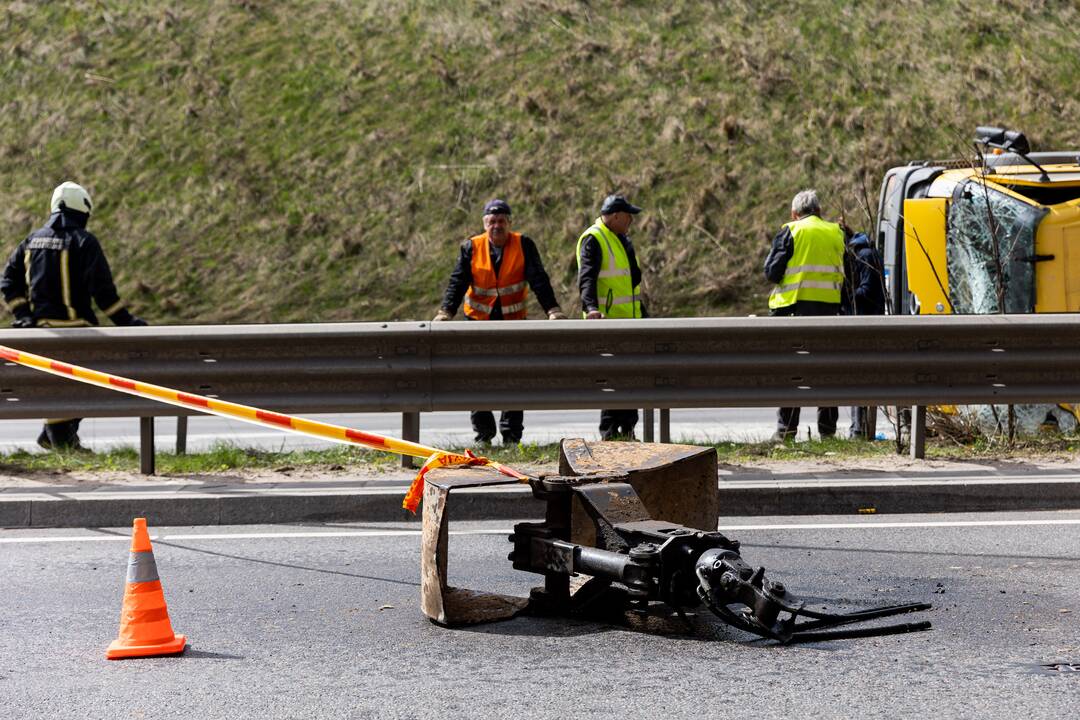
(677, 483)
(631, 527)
(442, 603)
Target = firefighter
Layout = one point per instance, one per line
(807, 264)
(609, 279)
(493, 275)
(50, 280)
(864, 294)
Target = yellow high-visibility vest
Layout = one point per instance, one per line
(615, 291)
(816, 268)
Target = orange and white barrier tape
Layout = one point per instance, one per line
(435, 457)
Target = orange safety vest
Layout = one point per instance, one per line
(509, 287)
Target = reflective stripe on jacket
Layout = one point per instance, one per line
(816, 268)
(57, 272)
(615, 291)
(508, 287)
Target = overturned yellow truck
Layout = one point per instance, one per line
(996, 232)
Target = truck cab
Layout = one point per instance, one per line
(999, 232)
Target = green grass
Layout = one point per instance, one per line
(225, 457)
(734, 453)
(219, 458)
(320, 161)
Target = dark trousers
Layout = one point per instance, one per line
(787, 418)
(60, 433)
(860, 420)
(617, 423)
(511, 425)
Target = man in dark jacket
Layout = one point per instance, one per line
(494, 273)
(864, 294)
(50, 280)
(609, 279)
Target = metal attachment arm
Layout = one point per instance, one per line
(766, 608)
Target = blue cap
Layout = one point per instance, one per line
(497, 207)
(617, 203)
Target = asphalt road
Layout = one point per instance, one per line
(438, 429)
(324, 621)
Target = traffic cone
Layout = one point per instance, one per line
(145, 628)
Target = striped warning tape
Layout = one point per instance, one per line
(303, 426)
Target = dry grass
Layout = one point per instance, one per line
(319, 161)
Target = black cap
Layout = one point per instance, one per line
(617, 203)
(497, 207)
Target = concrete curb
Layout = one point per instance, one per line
(900, 498)
(320, 502)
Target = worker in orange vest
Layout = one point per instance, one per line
(493, 275)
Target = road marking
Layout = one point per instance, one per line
(868, 525)
(929, 524)
(345, 533)
(244, 536)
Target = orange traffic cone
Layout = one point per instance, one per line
(145, 628)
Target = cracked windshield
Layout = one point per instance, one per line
(991, 238)
(985, 226)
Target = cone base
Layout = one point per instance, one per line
(173, 647)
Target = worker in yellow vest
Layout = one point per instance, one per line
(807, 264)
(493, 275)
(610, 282)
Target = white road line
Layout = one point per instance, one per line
(349, 533)
(872, 524)
(243, 536)
(868, 525)
(86, 538)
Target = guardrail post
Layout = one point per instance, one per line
(410, 430)
(918, 432)
(665, 425)
(647, 424)
(146, 445)
(181, 434)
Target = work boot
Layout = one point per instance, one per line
(74, 446)
(68, 446)
(510, 440)
(783, 435)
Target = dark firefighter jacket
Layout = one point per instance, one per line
(56, 271)
(864, 279)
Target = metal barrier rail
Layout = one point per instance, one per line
(413, 367)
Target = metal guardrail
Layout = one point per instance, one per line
(413, 367)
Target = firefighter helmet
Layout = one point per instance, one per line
(71, 196)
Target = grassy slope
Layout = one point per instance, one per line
(302, 161)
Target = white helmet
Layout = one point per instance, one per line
(72, 196)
